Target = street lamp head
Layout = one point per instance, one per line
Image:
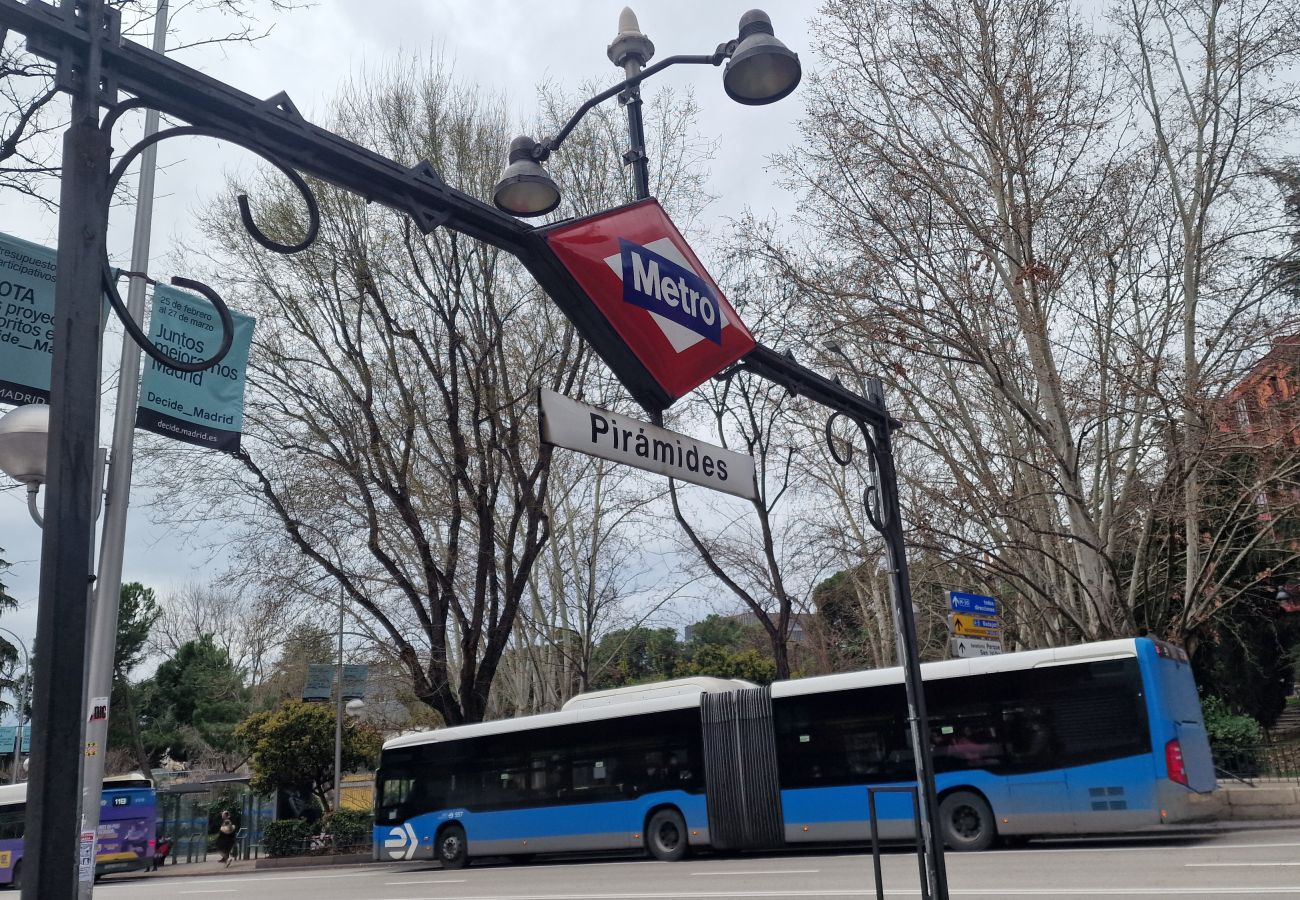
(761, 69)
(630, 45)
(24, 442)
(525, 189)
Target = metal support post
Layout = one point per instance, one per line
(50, 864)
(108, 584)
(338, 722)
(636, 153)
(930, 845)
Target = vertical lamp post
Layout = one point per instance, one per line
(760, 70)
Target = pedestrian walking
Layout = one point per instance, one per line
(226, 838)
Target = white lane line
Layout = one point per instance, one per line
(1227, 865)
(433, 881)
(1197, 847)
(226, 891)
(955, 892)
(170, 882)
(761, 872)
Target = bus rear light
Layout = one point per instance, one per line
(1174, 762)
(805, 828)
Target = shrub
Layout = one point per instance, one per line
(1236, 740)
(347, 827)
(286, 837)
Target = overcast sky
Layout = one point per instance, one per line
(503, 45)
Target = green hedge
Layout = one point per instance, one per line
(286, 837)
(347, 826)
(1236, 740)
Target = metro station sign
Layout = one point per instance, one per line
(639, 272)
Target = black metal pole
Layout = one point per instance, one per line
(50, 863)
(636, 154)
(930, 845)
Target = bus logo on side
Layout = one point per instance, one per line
(401, 842)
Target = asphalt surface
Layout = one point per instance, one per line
(1232, 864)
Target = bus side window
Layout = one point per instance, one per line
(12, 821)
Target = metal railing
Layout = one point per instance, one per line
(1269, 760)
(327, 845)
(875, 835)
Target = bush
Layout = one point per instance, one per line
(347, 827)
(1236, 740)
(286, 837)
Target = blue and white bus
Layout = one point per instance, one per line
(1094, 738)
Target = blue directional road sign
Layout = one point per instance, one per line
(976, 604)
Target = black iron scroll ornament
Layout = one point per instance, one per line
(877, 513)
(111, 275)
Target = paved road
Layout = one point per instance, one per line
(1228, 865)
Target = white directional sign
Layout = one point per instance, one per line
(613, 436)
(968, 647)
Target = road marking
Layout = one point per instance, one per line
(434, 881)
(956, 892)
(169, 883)
(226, 891)
(1224, 865)
(1198, 847)
(763, 872)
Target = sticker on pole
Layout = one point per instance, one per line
(643, 277)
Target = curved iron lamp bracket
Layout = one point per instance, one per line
(871, 500)
(111, 275)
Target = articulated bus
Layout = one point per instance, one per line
(127, 818)
(1094, 738)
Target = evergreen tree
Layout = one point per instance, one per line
(192, 704)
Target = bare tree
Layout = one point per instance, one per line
(998, 236)
(249, 627)
(31, 113)
(390, 440)
(1210, 75)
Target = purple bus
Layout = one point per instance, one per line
(127, 818)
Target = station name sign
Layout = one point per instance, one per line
(618, 438)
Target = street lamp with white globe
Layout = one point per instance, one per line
(24, 444)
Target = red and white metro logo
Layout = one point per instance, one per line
(641, 274)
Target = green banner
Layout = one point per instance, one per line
(202, 408)
(26, 321)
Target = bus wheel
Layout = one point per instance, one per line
(966, 822)
(17, 880)
(665, 836)
(453, 850)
